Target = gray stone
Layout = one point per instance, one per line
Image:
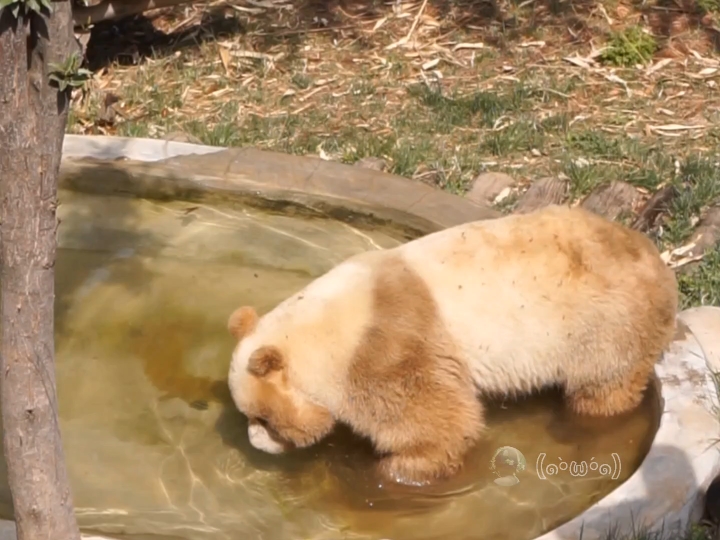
(611, 200)
(180, 136)
(541, 193)
(654, 207)
(373, 163)
(487, 186)
(707, 234)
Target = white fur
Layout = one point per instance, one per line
(261, 439)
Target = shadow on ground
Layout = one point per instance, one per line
(132, 39)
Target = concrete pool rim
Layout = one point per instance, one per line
(664, 493)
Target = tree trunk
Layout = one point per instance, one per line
(33, 117)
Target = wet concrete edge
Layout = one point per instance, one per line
(666, 493)
(168, 169)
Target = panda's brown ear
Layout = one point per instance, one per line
(265, 360)
(242, 321)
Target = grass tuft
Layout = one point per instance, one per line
(629, 47)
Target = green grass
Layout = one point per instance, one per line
(701, 286)
(545, 118)
(699, 185)
(629, 47)
(708, 6)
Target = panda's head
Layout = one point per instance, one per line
(280, 416)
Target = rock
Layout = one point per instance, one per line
(655, 205)
(543, 192)
(106, 115)
(375, 163)
(611, 200)
(705, 238)
(179, 136)
(707, 234)
(487, 186)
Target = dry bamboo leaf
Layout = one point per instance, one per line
(614, 78)
(658, 66)
(225, 59)
(461, 46)
(257, 55)
(400, 42)
(303, 108)
(608, 19)
(312, 93)
(504, 194)
(532, 44)
(220, 93)
(676, 127)
(577, 61)
(378, 24)
(430, 64)
(704, 73)
(243, 9)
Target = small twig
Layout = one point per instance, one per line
(416, 20)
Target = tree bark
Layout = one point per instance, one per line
(33, 118)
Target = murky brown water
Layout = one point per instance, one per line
(155, 448)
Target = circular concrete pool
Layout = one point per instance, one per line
(158, 249)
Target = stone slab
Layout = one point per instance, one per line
(704, 322)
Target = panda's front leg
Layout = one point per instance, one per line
(420, 465)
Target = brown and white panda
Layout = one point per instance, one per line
(400, 344)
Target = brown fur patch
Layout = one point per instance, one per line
(294, 424)
(265, 360)
(242, 321)
(649, 320)
(408, 391)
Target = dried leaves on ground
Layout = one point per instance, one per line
(582, 92)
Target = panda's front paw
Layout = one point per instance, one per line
(418, 467)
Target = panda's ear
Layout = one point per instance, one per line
(242, 321)
(265, 360)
